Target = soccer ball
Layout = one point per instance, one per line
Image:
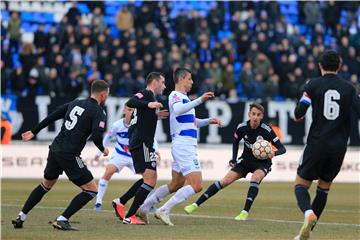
(261, 149)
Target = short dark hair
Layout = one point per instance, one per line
(153, 76)
(330, 60)
(180, 72)
(99, 86)
(257, 106)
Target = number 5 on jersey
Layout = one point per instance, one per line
(74, 114)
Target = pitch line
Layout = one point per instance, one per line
(205, 216)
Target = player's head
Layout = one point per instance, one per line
(256, 114)
(100, 91)
(127, 111)
(156, 82)
(182, 76)
(330, 61)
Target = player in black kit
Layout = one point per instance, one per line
(82, 118)
(141, 139)
(332, 100)
(251, 131)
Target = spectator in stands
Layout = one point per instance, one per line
(312, 13)
(332, 13)
(257, 87)
(215, 19)
(27, 58)
(74, 84)
(262, 65)
(33, 82)
(98, 21)
(56, 85)
(124, 19)
(73, 15)
(13, 29)
(355, 82)
(40, 39)
(18, 81)
(5, 77)
(227, 82)
(247, 76)
(272, 88)
(293, 87)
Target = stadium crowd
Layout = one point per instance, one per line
(237, 49)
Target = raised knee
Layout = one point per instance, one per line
(197, 187)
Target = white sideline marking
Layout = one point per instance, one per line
(205, 216)
(219, 205)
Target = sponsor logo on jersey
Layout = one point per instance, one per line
(102, 124)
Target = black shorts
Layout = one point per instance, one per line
(243, 166)
(315, 164)
(73, 166)
(143, 158)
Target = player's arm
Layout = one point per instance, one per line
(207, 121)
(302, 106)
(52, 117)
(238, 135)
(107, 139)
(180, 107)
(98, 129)
(139, 101)
(280, 148)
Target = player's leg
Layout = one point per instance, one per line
(214, 188)
(329, 170)
(51, 174)
(144, 160)
(177, 181)
(103, 184)
(257, 176)
(79, 174)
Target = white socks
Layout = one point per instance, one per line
(154, 198)
(180, 196)
(103, 184)
(22, 216)
(308, 212)
(61, 218)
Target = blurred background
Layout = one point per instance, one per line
(243, 51)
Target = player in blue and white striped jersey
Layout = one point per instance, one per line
(119, 158)
(184, 131)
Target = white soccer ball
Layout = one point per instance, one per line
(261, 149)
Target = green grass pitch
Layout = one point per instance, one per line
(274, 214)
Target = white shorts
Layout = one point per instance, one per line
(185, 159)
(120, 161)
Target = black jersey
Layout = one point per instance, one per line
(332, 100)
(250, 136)
(82, 118)
(144, 119)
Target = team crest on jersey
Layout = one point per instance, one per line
(259, 138)
(176, 98)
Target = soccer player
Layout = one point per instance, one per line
(332, 99)
(119, 159)
(141, 139)
(252, 130)
(82, 118)
(184, 132)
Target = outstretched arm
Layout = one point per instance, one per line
(52, 117)
(302, 107)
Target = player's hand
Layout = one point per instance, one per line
(26, 136)
(232, 163)
(206, 96)
(216, 120)
(105, 152)
(299, 119)
(158, 156)
(163, 114)
(153, 105)
(271, 154)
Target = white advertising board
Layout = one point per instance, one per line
(29, 161)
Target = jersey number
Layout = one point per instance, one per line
(74, 114)
(134, 118)
(331, 108)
